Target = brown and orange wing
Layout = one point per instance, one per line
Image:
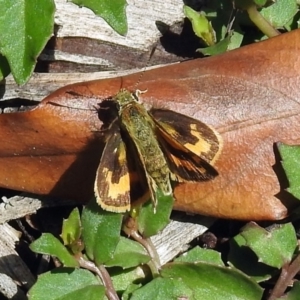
(118, 185)
(190, 146)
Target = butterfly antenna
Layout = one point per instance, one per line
(147, 65)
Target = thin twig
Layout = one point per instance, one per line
(155, 264)
(104, 276)
(288, 272)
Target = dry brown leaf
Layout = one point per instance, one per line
(249, 95)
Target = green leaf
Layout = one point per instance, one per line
(236, 37)
(71, 232)
(100, 232)
(163, 288)
(218, 48)
(150, 222)
(131, 288)
(260, 2)
(49, 244)
(274, 247)
(199, 281)
(71, 229)
(213, 282)
(291, 163)
(123, 280)
(67, 284)
(201, 26)
(25, 28)
(294, 293)
(134, 252)
(113, 12)
(244, 259)
(198, 254)
(228, 37)
(280, 13)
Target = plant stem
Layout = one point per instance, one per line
(285, 278)
(148, 245)
(261, 22)
(104, 276)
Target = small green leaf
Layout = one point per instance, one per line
(129, 291)
(67, 284)
(260, 2)
(209, 281)
(100, 232)
(199, 281)
(49, 244)
(71, 229)
(71, 232)
(201, 26)
(198, 254)
(274, 247)
(236, 38)
(123, 281)
(134, 252)
(150, 222)
(291, 163)
(164, 288)
(218, 48)
(25, 28)
(113, 12)
(244, 259)
(294, 293)
(280, 12)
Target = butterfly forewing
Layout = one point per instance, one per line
(190, 146)
(112, 184)
(119, 183)
(195, 135)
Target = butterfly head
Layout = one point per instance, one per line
(124, 97)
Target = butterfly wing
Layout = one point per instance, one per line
(112, 184)
(118, 183)
(190, 146)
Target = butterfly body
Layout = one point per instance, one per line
(140, 127)
(148, 150)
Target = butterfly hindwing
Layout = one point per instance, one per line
(195, 135)
(190, 146)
